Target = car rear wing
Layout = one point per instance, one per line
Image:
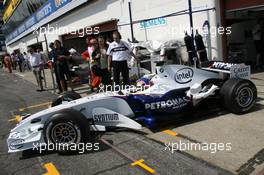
(235, 70)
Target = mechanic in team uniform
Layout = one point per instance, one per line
(118, 53)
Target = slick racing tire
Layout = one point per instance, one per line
(239, 95)
(67, 127)
(66, 96)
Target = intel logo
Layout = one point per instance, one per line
(184, 75)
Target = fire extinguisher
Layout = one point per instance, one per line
(200, 47)
(190, 47)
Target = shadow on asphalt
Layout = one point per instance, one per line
(196, 116)
(200, 115)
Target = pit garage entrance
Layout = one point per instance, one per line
(78, 40)
(245, 17)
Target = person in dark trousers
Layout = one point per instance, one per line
(95, 56)
(26, 62)
(52, 56)
(106, 76)
(118, 53)
(13, 60)
(20, 60)
(61, 55)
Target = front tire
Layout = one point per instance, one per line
(66, 128)
(239, 95)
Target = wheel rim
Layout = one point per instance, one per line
(245, 97)
(64, 133)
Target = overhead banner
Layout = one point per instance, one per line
(49, 8)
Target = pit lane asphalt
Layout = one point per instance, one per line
(17, 93)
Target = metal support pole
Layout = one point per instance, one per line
(132, 32)
(51, 69)
(191, 19)
(194, 57)
(43, 70)
(131, 21)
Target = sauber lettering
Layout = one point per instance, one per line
(105, 117)
(173, 103)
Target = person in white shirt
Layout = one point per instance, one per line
(36, 65)
(27, 63)
(118, 53)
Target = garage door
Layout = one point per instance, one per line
(242, 4)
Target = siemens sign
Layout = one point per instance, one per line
(153, 23)
(49, 8)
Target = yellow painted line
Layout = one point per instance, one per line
(34, 106)
(17, 118)
(142, 165)
(51, 169)
(170, 132)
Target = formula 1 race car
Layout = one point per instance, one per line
(173, 90)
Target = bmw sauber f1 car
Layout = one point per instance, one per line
(173, 90)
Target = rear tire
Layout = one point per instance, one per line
(66, 96)
(239, 95)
